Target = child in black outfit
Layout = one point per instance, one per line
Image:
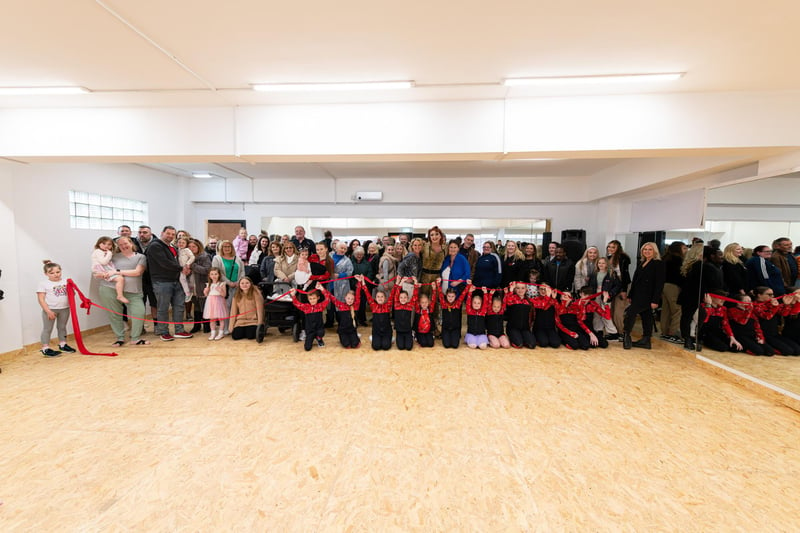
(791, 318)
(769, 312)
(423, 325)
(403, 309)
(544, 323)
(746, 328)
(518, 314)
(346, 317)
(495, 331)
(381, 307)
(571, 322)
(479, 304)
(592, 305)
(451, 315)
(716, 332)
(314, 323)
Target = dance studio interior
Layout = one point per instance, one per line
(531, 122)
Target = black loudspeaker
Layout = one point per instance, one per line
(574, 242)
(547, 238)
(657, 237)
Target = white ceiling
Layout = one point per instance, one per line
(567, 168)
(452, 50)
(152, 53)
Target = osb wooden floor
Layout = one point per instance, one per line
(780, 371)
(207, 436)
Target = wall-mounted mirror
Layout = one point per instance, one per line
(753, 214)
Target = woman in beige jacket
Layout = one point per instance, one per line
(286, 264)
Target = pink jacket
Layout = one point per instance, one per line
(240, 247)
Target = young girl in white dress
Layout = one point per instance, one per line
(216, 308)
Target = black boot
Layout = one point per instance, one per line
(644, 342)
(626, 341)
(688, 344)
(198, 317)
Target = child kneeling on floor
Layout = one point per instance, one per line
(314, 323)
(346, 317)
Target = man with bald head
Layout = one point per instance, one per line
(300, 241)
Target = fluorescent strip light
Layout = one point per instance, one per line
(346, 86)
(202, 175)
(25, 91)
(532, 159)
(588, 80)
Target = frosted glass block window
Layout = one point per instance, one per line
(101, 212)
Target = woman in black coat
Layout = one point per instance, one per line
(644, 295)
(734, 272)
(619, 262)
(702, 275)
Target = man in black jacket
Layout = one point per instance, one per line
(300, 240)
(559, 272)
(165, 271)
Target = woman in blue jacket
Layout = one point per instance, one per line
(488, 269)
(454, 267)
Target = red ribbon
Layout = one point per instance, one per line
(86, 303)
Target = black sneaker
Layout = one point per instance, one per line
(49, 352)
(67, 348)
(612, 337)
(320, 343)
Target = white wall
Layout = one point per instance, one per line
(752, 234)
(10, 316)
(41, 225)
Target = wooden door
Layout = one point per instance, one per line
(223, 230)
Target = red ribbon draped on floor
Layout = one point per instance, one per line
(86, 303)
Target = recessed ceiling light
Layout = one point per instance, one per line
(25, 91)
(202, 175)
(588, 80)
(345, 86)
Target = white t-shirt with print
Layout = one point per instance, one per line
(55, 293)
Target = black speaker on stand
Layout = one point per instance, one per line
(574, 242)
(547, 238)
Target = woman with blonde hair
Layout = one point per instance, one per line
(734, 272)
(585, 268)
(701, 277)
(644, 296)
(411, 265)
(512, 263)
(232, 268)
(387, 268)
(286, 263)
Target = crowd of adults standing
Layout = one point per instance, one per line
(676, 283)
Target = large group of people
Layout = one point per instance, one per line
(415, 289)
